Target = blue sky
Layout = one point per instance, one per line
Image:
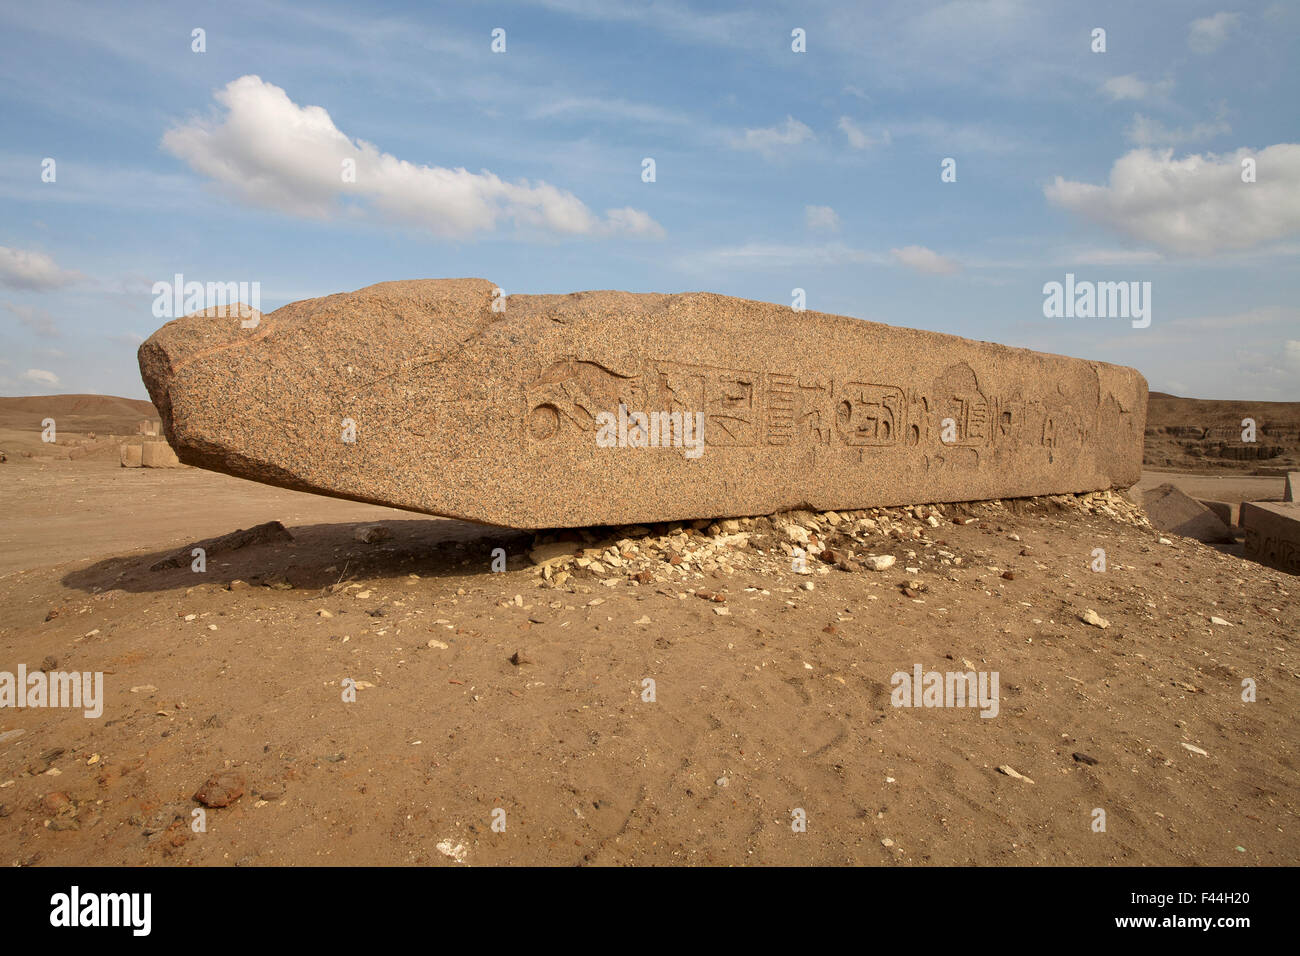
(774, 169)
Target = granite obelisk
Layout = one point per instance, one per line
(447, 397)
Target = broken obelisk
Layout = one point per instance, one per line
(447, 397)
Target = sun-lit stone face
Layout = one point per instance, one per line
(445, 396)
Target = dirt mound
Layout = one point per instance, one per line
(107, 414)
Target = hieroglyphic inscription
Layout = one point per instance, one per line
(785, 408)
(869, 414)
(1277, 552)
(798, 410)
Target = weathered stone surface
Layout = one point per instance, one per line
(1171, 510)
(1225, 511)
(132, 455)
(463, 410)
(1292, 485)
(157, 454)
(1273, 533)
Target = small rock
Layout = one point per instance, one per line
(796, 534)
(1194, 749)
(1010, 772)
(220, 790)
(371, 533)
(1092, 617)
(879, 562)
(457, 852)
(1084, 758)
(57, 803)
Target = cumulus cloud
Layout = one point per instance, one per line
(38, 376)
(1197, 205)
(1131, 87)
(266, 150)
(1209, 33)
(34, 271)
(768, 139)
(924, 260)
(821, 217)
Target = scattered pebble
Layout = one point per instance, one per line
(1092, 617)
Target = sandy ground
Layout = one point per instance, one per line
(775, 699)
(1234, 489)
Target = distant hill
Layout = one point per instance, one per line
(104, 414)
(1198, 434)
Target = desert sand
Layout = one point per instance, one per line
(479, 691)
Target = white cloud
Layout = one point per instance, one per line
(1144, 131)
(859, 138)
(1196, 205)
(20, 269)
(38, 320)
(768, 139)
(821, 217)
(38, 376)
(268, 151)
(633, 222)
(1209, 33)
(925, 260)
(1131, 87)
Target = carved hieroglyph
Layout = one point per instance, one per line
(423, 396)
(1273, 533)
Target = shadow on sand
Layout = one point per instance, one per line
(317, 557)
